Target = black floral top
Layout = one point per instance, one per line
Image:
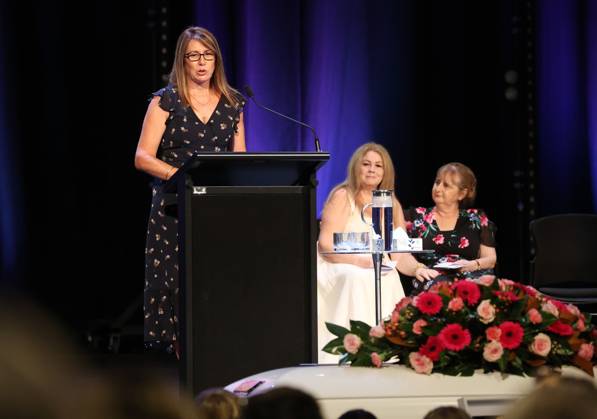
(186, 134)
(472, 230)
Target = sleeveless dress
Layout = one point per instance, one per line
(184, 136)
(347, 292)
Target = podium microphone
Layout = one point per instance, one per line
(249, 92)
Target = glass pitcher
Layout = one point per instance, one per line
(381, 216)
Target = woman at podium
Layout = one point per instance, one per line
(345, 283)
(198, 111)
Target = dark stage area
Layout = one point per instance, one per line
(433, 81)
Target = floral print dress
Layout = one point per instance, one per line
(472, 230)
(184, 136)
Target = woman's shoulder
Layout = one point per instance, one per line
(169, 97)
(412, 213)
(477, 217)
(236, 101)
(472, 213)
(339, 194)
(168, 90)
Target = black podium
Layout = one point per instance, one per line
(247, 234)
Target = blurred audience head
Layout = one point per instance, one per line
(41, 375)
(141, 393)
(217, 403)
(558, 397)
(357, 414)
(447, 412)
(282, 402)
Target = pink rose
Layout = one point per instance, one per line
(550, 308)
(418, 326)
(377, 332)
(455, 304)
(403, 303)
(420, 210)
(486, 280)
(486, 311)
(492, 351)
(573, 309)
(484, 220)
(580, 325)
(463, 243)
(541, 344)
(505, 283)
(534, 316)
(376, 360)
(493, 333)
(395, 317)
(420, 363)
(586, 351)
(352, 343)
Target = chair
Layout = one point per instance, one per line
(564, 266)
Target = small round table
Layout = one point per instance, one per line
(377, 258)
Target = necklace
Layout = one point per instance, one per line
(199, 102)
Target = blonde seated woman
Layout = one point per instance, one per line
(345, 283)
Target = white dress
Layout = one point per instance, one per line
(347, 292)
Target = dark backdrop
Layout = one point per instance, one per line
(434, 81)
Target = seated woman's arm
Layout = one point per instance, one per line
(487, 256)
(406, 262)
(486, 260)
(334, 216)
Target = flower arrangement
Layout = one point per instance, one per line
(458, 327)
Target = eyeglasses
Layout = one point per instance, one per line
(196, 56)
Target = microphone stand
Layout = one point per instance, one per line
(249, 92)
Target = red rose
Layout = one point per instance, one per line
(463, 243)
(560, 328)
(472, 211)
(468, 291)
(454, 337)
(439, 239)
(560, 305)
(429, 303)
(511, 335)
(432, 349)
(529, 290)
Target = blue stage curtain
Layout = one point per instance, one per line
(591, 36)
(334, 65)
(567, 105)
(9, 242)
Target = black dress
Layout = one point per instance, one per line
(184, 136)
(472, 230)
